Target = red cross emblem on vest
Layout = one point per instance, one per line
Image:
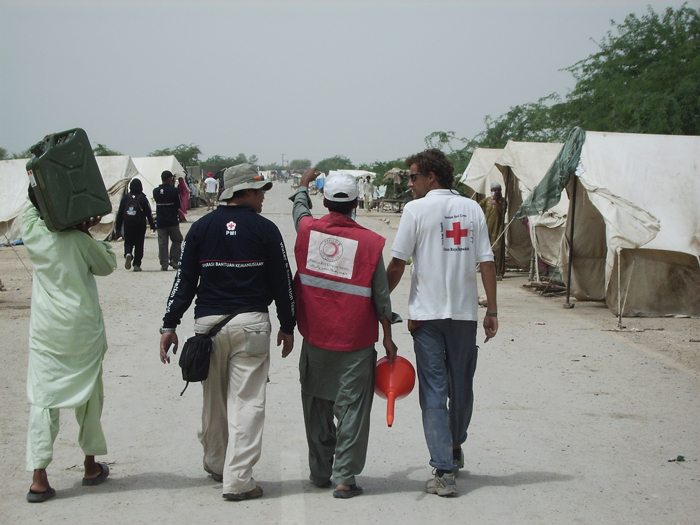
(456, 233)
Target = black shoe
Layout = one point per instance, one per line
(346, 494)
(40, 497)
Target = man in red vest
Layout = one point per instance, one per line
(342, 295)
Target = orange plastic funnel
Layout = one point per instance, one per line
(394, 381)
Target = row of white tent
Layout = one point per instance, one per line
(518, 168)
(627, 206)
(117, 172)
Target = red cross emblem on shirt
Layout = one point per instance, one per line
(456, 233)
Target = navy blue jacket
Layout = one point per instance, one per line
(167, 203)
(145, 206)
(233, 258)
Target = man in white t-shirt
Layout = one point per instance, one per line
(446, 235)
(211, 187)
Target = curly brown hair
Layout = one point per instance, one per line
(436, 161)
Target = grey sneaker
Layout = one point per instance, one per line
(240, 496)
(444, 485)
(127, 263)
(137, 268)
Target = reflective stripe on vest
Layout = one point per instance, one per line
(319, 282)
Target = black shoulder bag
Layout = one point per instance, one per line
(196, 354)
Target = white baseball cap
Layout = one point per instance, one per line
(340, 187)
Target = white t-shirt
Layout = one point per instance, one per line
(446, 235)
(211, 185)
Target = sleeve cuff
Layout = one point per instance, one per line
(305, 191)
(401, 256)
(395, 318)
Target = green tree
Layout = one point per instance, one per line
(644, 79)
(218, 160)
(299, 164)
(533, 122)
(187, 155)
(103, 151)
(335, 163)
(380, 168)
(26, 154)
(6, 155)
(442, 140)
(273, 166)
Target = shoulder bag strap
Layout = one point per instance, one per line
(218, 326)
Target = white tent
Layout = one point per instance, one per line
(481, 171)
(150, 169)
(635, 218)
(523, 165)
(13, 199)
(518, 168)
(116, 172)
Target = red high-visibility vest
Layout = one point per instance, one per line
(336, 260)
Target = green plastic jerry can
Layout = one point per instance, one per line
(67, 181)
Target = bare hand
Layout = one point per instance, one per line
(85, 226)
(166, 340)
(309, 176)
(390, 348)
(490, 327)
(287, 342)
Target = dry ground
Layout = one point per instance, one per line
(573, 423)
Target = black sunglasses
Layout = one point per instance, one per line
(413, 176)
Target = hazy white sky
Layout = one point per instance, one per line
(368, 80)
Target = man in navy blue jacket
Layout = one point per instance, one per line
(234, 261)
(167, 203)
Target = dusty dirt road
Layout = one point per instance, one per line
(572, 423)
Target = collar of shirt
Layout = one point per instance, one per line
(441, 191)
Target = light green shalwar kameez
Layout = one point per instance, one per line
(67, 338)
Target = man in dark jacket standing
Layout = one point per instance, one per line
(167, 203)
(234, 261)
(134, 211)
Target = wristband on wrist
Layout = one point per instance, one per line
(491, 314)
(164, 330)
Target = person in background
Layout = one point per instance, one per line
(167, 205)
(446, 236)
(369, 193)
(493, 207)
(343, 296)
(134, 212)
(184, 192)
(67, 342)
(211, 188)
(235, 262)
